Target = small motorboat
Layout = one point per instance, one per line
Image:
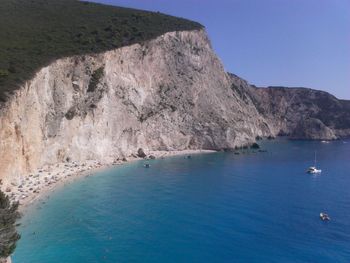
(147, 165)
(324, 217)
(313, 170)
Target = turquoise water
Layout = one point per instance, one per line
(216, 207)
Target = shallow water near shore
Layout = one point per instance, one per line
(220, 207)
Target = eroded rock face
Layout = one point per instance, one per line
(304, 113)
(312, 129)
(300, 113)
(169, 93)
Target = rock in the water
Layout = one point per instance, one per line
(141, 153)
(255, 146)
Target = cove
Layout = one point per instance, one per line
(220, 207)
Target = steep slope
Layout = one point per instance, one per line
(299, 113)
(168, 93)
(34, 33)
(158, 87)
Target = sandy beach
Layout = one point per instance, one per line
(38, 185)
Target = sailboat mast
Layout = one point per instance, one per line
(315, 160)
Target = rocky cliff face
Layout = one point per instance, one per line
(168, 93)
(299, 113)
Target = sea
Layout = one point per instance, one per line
(218, 207)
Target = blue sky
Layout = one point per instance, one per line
(303, 43)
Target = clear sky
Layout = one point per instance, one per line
(302, 43)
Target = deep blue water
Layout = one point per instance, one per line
(216, 207)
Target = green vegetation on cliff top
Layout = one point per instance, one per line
(35, 32)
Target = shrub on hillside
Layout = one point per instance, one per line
(8, 234)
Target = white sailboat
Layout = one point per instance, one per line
(313, 169)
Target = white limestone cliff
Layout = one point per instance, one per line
(170, 93)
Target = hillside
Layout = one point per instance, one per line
(171, 93)
(299, 113)
(36, 32)
(126, 83)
